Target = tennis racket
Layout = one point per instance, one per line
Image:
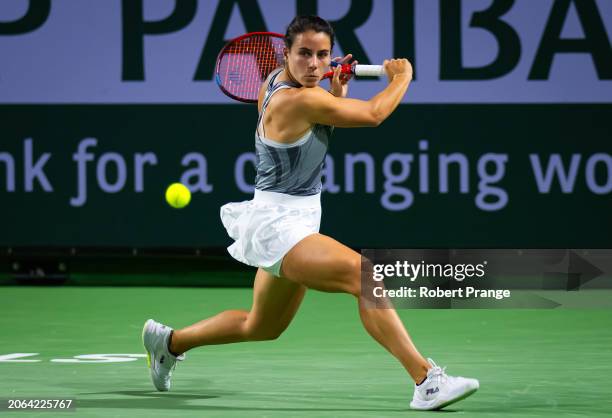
(246, 61)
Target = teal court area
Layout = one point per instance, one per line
(531, 363)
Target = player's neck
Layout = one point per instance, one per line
(286, 75)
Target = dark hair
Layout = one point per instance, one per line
(301, 24)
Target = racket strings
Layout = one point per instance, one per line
(246, 63)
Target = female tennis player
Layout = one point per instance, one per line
(278, 230)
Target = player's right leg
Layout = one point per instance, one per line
(160, 361)
(275, 302)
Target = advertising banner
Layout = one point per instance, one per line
(442, 176)
(503, 138)
(163, 51)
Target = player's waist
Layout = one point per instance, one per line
(287, 199)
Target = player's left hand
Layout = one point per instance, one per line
(339, 82)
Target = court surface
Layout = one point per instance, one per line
(531, 363)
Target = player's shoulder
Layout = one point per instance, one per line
(264, 86)
(307, 96)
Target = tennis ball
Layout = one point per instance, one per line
(177, 195)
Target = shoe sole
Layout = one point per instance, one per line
(447, 402)
(457, 399)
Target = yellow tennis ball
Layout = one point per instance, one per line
(177, 195)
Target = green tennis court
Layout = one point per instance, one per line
(531, 363)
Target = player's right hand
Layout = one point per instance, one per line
(394, 67)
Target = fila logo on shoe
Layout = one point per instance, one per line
(432, 391)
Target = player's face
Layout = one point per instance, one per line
(309, 57)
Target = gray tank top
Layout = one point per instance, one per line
(294, 168)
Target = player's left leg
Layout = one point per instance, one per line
(322, 263)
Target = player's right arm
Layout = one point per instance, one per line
(320, 107)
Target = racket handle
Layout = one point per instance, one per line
(369, 70)
(359, 70)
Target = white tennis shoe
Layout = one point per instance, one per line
(440, 390)
(161, 362)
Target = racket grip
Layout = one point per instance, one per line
(369, 70)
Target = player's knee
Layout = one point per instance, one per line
(258, 333)
(264, 335)
(366, 276)
(351, 275)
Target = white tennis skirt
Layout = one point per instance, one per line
(266, 228)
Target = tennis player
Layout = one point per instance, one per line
(278, 230)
